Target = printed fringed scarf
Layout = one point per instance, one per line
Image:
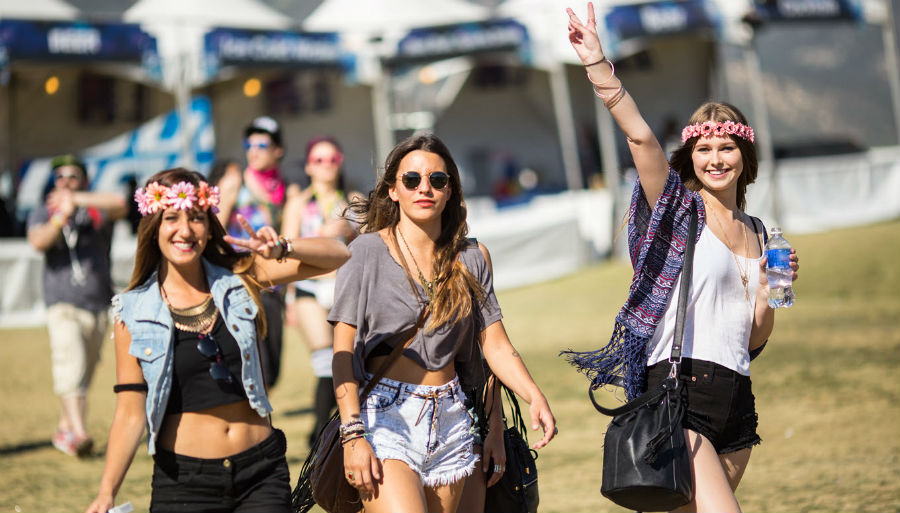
(656, 242)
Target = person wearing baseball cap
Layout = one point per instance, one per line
(73, 228)
(258, 194)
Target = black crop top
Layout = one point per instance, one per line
(193, 388)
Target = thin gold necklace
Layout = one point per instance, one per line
(744, 273)
(426, 284)
(195, 319)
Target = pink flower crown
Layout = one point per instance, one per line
(714, 129)
(181, 196)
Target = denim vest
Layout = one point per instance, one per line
(150, 325)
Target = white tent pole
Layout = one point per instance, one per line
(891, 63)
(183, 105)
(562, 107)
(381, 113)
(762, 129)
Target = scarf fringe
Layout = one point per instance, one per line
(623, 356)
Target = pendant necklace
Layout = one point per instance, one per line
(426, 284)
(744, 273)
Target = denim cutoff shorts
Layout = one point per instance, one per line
(426, 427)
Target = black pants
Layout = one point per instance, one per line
(254, 481)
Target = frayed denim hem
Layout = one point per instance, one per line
(448, 478)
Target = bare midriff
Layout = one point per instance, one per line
(408, 371)
(215, 432)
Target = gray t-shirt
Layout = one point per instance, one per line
(86, 284)
(372, 293)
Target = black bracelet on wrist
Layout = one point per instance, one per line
(601, 61)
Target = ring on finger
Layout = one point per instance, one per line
(350, 476)
(499, 468)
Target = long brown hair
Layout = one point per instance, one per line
(456, 288)
(148, 256)
(682, 162)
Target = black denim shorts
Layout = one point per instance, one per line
(254, 481)
(720, 405)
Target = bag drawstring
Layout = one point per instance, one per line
(652, 453)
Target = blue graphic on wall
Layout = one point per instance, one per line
(155, 145)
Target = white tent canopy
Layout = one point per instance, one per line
(208, 13)
(37, 10)
(390, 16)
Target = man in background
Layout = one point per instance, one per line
(74, 231)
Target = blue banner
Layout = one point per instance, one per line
(75, 40)
(226, 46)
(434, 43)
(660, 18)
(155, 145)
(807, 10)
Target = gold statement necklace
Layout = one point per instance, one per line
(743, 272)
(194, 319)
(428, 285)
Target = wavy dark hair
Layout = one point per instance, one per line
(682, 162)
(148, 256)
(456, 289)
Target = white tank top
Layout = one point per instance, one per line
(719, 316)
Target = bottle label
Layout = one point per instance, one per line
(778, 257)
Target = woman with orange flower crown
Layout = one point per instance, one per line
(187, 361)
(728, 319)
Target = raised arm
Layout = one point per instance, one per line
(649, 157)
(278, 263)
(62, 203)
(127, 426)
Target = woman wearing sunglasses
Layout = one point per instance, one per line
(409, 446)
(317, 212)
(187, 362)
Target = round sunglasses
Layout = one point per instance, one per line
(209, 348)
(412, 179)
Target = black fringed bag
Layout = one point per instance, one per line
(646, 462)
(517, 490)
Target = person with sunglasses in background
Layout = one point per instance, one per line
(317, 211)
(74, 231)
(187, 360)
(257, 195)
(409, 446)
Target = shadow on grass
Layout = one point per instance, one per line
(10, 450)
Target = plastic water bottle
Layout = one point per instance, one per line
(778, 270)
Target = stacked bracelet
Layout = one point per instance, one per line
(287, 248)
(352, 430)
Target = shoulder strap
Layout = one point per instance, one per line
(410, 335)
(765, 235)
(687, 270)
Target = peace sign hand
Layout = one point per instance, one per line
(263, 242)
(584, 37)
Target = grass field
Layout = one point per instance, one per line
(827, 392)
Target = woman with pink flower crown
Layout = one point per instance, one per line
(728, 319)
(186, 332)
